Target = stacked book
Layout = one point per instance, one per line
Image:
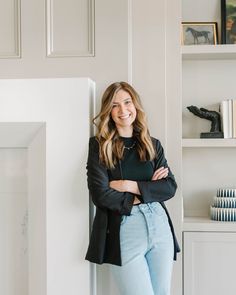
(228, 116)
(224, 205)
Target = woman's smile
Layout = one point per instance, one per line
(123, 117)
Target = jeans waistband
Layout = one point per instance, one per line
(145, 207)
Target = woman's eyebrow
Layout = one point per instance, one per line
(125, 99)
(128, 98)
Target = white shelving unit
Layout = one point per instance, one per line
(203, 224)
(208, 77)
(211, 69)
(211, 143)
(209, 52)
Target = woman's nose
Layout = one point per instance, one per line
(122, 108)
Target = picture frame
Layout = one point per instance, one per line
(199, 33)
(228, 21)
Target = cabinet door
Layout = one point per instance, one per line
(209, 263)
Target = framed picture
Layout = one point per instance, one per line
(228, 21)
(199, 33)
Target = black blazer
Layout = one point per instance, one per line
(104, 245)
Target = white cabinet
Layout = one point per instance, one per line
(209, 263)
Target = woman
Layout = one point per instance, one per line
(129, 180)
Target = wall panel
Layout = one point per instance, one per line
(70, 28)
(9, 28)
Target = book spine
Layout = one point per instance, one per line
(230, 105)
(224, 110)
(234, 118)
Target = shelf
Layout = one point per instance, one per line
(201, 52)
(206, 224)
(213, 142)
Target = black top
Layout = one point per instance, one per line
(132, 167)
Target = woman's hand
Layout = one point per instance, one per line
(118, 185)
(160, 173)
(125, 186)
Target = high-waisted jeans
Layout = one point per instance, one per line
(146, 251)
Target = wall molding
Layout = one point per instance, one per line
(17, 33)
(52, 51)
(130, 42)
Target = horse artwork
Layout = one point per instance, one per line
(199, 33)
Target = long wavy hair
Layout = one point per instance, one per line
(111, 147)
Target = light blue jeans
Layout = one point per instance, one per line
(146, 251)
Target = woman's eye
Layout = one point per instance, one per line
(128, 102)
(114, 105)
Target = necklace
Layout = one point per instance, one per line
(130, 147)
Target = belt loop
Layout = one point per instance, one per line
(149, 206)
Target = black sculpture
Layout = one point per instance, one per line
(215, 119)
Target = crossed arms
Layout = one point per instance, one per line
(120, 195)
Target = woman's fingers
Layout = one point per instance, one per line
(160, 173)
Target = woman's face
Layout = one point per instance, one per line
(123, 112)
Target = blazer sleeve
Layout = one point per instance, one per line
(98, 183)
(158, 190)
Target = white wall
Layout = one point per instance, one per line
(13, 221)
(58, 195)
